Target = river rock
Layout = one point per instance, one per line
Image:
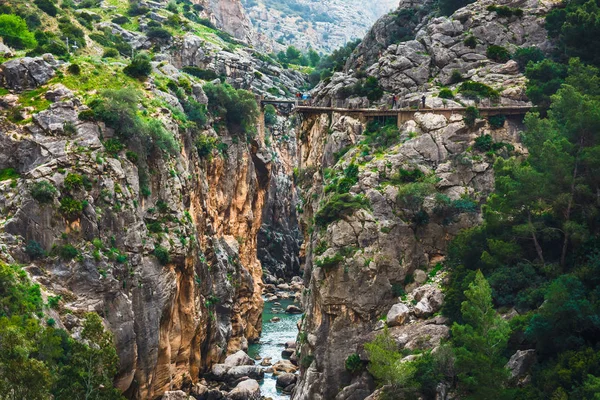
(286, 379)
(251, 371)
(287, 353)
(284, 366)
(266, 362)
(292, 309)
(275, 319)
(237, 359)
(245, 390)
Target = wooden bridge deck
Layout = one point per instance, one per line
(402, 114)
(373, 112)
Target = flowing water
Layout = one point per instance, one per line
(272, 341)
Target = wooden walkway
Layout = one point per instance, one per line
(402, 114)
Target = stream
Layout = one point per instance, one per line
(274, 336)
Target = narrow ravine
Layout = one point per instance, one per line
(272, 342)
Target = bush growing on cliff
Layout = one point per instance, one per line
(505, 12)
(43, 191)
(270, 115)
(446, 93)
(476, 90)
(162, 255)
(139, 67)
(353, 363)
(35, 250)
(339, 206)
(497, 53)
(71, 208)
(237, 108)
(471, 115)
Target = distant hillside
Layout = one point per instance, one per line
(322, 25)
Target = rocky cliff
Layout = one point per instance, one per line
(163, 247)
(381, 205)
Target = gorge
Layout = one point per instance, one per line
(194, 205)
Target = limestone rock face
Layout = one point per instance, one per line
(171, 322)
(27, 72)
(387, 260)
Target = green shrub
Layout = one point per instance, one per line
(69, 128)
(476, 89)
(113, 146)
(47, 6)
(74, 69)
(497, 121)
(471, 115)
(339, 206)
(34, 250)
(87, 115)
(71, 31)
(484, 143)
(329, 262)
(155, 227)
(205, 145)
(68, 252)
(132, 156)
(139, 67)
(204, 74)
(135, 9)
(43, 191)
(381, 135)
(162, 255)
(161, 138)
(470, 42)
(71, 208)
(270, 115)
(109, 52)
(73, 182)
(158, 34)
(237, 107)
(8, 174)
(505, 12)
(456, 77)
(14, 32)
(447, 7)
(407, 176)
(306, 361)
(524, 55)
(353, 363)
(195, 112)
(54, 301)
(120, 20)
(497, 53)
(446, 93)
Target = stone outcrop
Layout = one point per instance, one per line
(420, 66)
(27, 73)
